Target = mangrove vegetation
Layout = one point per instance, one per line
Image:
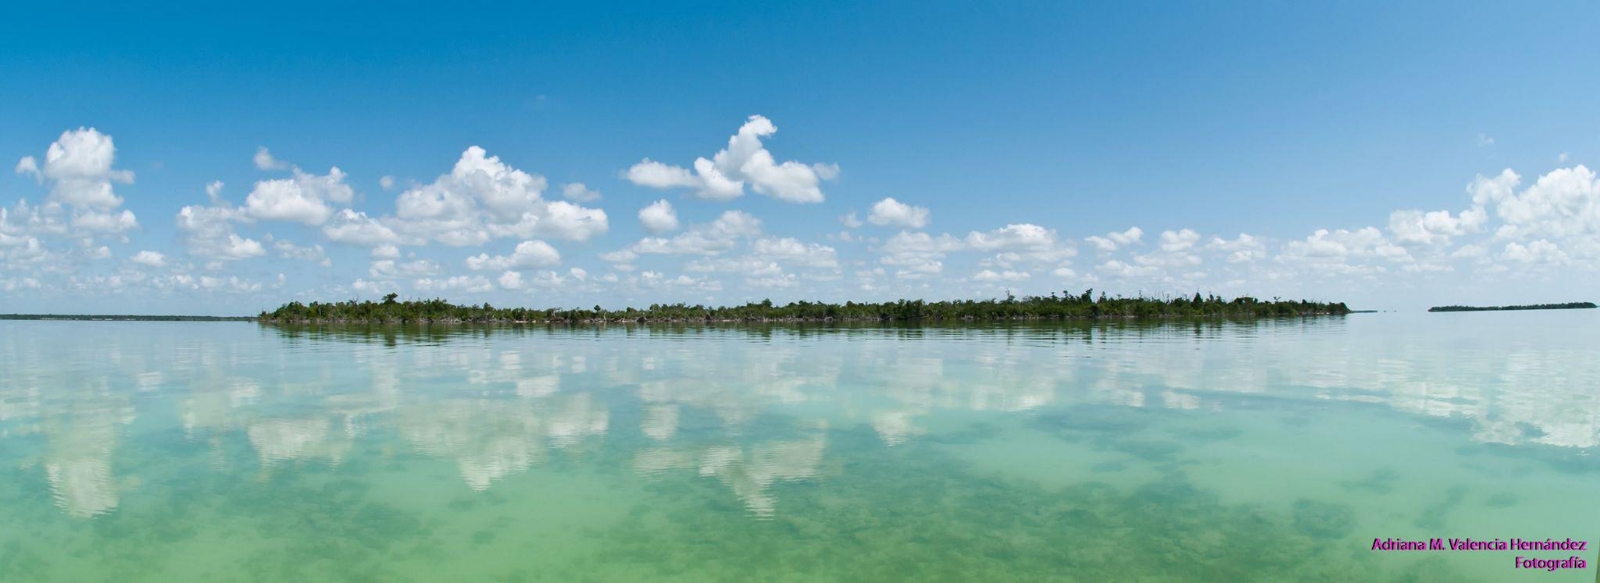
(1064, 306)
(1566, 306)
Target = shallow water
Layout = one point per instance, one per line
(1271, 451)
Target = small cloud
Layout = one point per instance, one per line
(577, 192)
(265, 161)
(1485, 140)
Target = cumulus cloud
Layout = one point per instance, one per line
(207, 231)
(1114, 241)
(1540, 251)
(1028, 241)
(265, 161)
(791, 251)
(78, 169)
(313, 253)
(390, 269)
(1241, 249)
(510, 280)
(1563, 203)
(527, 255)
(658, 218)
(994, 276)
(918, 254)
(1414, 227)
(577, 192)
(356, 228)
(483, 198)
(703, 239)
(891, 212)
(302, 198)
(745, 161)
(149, 259)
(1178, 241)
(459, 283)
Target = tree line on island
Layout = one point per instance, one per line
(1566, 306)
(1065, 306)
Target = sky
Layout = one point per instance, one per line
(224, 160)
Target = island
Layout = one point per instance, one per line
(1566, 306)
(1063, 306)
(126, 318)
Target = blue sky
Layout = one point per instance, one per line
(1006, 137)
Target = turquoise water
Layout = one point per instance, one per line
(1271, 451)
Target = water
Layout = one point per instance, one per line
(1274, 451)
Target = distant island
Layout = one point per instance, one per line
(1084, 306)
(126, 318)
(1567, 306)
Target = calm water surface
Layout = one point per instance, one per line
(1217, 452)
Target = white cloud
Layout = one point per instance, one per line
(386, 252)
(265, 161)
(510, 280)
(851, 221)
(1485, 140)
(386, 182)
(356, 228)
(744, 161)
(1023, 236)
(704, 239)
(993, 276)
(619, 256)
(891, 212)
(371, 288)
(1563, 203)
(658, 218)
(1113, 241)
(78, 166)
(918, 253)
(78, 169)
(1241, 249)
(28, 166)
(1342, 252)
(483, 198)
(1118, 268)
(149, 259)
(792, 251)
(102, 222)
(461, 283)
(527, 255)
(208, 232)
(302, 198)
(1032, 242)
(313, 253)
(388, 269)
(1178, 241)
(577, 192)
(1414, 227)
(1540, 251)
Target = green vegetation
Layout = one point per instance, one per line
(1566, 306)
(1083, 306)
(126, 318)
